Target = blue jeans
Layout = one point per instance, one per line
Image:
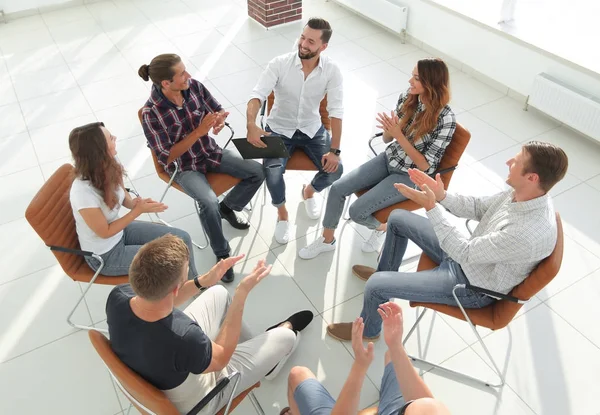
(136, 234)
(195, 185)
(373, 174)
(431, 286)
(313, 399)
(314, 148)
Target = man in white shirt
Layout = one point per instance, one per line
(300, 80)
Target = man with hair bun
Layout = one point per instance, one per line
(177, 119)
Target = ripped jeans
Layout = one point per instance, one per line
(314, 148)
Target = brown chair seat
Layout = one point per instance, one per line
(142, 391)
(498, 314)
(50, 214)
(451, 157)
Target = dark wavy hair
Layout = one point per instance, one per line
(94, 163)
(434, 76)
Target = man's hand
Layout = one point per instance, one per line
(393, 323)
(390, 124)
(362, 357)
(217, 271)
(420, 179)
(207, 123)
(254, 134)
(425, 197)
(330, 162)
(220, 122)
(260, 271)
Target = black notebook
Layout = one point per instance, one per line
(274, 149)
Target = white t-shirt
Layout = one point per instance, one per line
(84, 195)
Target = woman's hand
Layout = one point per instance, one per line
(390, 124)
(147, 206)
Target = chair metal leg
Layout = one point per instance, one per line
(256, 404)
(197, 245)
(238, 376)
(345, 215)
(454, 372)
(79, 326)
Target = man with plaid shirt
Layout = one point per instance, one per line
(176, 120)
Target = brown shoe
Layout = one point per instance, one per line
(343, 332)
(363, 272)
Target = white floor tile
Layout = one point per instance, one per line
(122, 120)
(136, 157)
(577, 304)
(482, 400)
(7, 91)
(485, 139)
(24, 254)
(131, 37)
(77, 30)
(93, 46)
(16, 191)
(115, 91)
(355, 27)
(200, 42)
(222, 14)
(350, 56)
(35, 309)
(594, 182)
(385, 45)
(34, 60)
(140, 55)
(224, 60)
(407, 61)
(238, 86)
(18, 153)
(327, 280)
(48, 169)
(39, 83)
(507, 115)
(543, 356)
(244, 31)
(117, 15)
(469, 93)
(26, 41)
(54, 108)
(263, 50)
(63, 16)
(90, 70)
(577, 207)
(24, 24)
(70, 364)
(52, 142)
(330, 11)
(382, 78)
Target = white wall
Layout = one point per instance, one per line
(490, 53)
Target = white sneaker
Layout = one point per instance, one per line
(281, 363)
(282, 232)
(317, 247)
(313, 210)
(373, 244)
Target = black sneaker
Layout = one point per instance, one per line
(235, 220)
(299, 321)
(229, 275)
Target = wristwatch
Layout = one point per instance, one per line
(197, 283)
(335, 151)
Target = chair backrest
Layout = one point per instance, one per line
(322, 110)
(146, 394)
(454, 152)
(500, 313)
(50, 214)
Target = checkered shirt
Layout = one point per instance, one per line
(165, 124)
(431, 145)
(510, 240)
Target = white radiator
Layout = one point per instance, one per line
(567, 104)
(387, 13)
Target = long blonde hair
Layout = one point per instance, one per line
(434, 76)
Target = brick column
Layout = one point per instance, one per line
(271, 13)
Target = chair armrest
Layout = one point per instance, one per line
(371, 142)
(444, 171)
(230, 136)
(132, 191)
(221, 384)
(263, 111)
(494, 294)
(70, 251)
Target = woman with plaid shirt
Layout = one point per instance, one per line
(419, 130)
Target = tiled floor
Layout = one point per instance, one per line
(69, 67)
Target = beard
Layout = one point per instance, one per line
(307, 55)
